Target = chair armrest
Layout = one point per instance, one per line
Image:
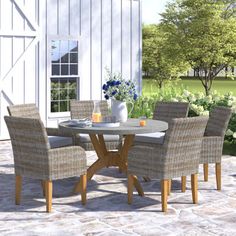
(67, 162)
(58, 132)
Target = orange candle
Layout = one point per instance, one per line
(142, 122)
(96, 117)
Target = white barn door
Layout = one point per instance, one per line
(18, 55)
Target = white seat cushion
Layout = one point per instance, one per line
(157, 137)
(84, 138)
(59, 141)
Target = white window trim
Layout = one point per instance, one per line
(49, 68)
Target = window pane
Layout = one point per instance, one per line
(64, 94)
(72, 94)
(63, 83)
(64, 48)
(64, 69)
(55, 94)
(64, 106)
(55, 69)
(65, 58)
(74, 58)
(55, 83)
(72, 83)
(54, 106)
(55, 51)
(73, 70)
(73, 46)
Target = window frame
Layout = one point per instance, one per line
(50, 38)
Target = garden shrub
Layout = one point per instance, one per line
(199, 105)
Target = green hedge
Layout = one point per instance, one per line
(199, 105)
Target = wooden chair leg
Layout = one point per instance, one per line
(43, 187)
(130, 188)
(194, 186)
(169, 186)
(205, 171)
(183, 183)
(164, 194)
(83, 184)
(218, 175)
(48, 191)
(18, 188)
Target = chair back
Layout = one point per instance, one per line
(218, 121)
(168, 110)
(83, 109)
(182, 145)
(29, 142)
(24, 110)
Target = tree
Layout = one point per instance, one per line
(159, 60)
(205, 33)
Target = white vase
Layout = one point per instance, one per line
(119, 110)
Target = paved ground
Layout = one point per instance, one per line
(107, 212)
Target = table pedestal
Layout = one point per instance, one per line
(110, 158)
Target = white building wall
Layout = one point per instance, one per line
(109, 34)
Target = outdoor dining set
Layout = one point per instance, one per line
(170, 145)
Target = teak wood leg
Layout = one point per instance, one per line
(194, 186)
(110, 158)
(164, 194)
(48, 191)
(183, 183)
(18, 189)
(205, 171)
(218, 175)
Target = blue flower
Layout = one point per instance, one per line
(114, 93)
(135, 96)
(106, 96)
(118, 82)
(113, 83)
(105, 87)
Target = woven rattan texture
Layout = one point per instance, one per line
(168, 110)
(178, 156)
(33, 156)
(84, 109)
(31, 111)
(212, 145)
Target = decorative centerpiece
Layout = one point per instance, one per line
(121, 92)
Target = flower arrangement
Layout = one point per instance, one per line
(118, 88)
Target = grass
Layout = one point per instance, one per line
(193, 85)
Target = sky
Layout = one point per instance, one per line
(151, 8)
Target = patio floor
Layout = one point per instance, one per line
(107, 211)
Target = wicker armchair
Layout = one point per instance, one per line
(212, 145)
(33, 157)
(164, 111)
(56, 137)
(84, 109)
(178, 156)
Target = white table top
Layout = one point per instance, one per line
(130, 127)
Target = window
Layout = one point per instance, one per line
(64, 77)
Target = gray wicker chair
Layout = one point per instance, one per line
(212, 145)
(56, 137)
(164, 111)
(33, 157)
(84, 109)
(178, 156)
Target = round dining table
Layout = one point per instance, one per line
(119, 157)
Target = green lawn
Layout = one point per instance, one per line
(193, 85)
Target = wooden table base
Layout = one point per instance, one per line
(110, 158)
